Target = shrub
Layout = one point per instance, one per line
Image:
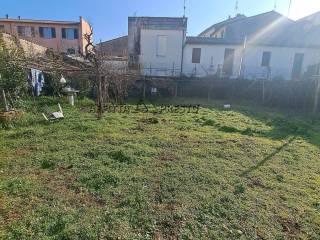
(12, 75)
(239, 188)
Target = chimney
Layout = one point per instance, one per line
(7, 16)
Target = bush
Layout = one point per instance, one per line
(13, 78)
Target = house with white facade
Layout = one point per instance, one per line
(264, 46)
(157, 44)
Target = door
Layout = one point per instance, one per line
(297, 66)
(228, 62)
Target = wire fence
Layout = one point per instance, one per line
(298, 95)
(250, 72)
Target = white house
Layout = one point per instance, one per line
(267, 45)
(157, 44)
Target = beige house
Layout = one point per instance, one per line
(61, 36)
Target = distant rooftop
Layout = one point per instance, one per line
(210, 40)
(252, 20)
(37, 21)
(160, 22)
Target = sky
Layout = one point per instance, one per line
(109, 17)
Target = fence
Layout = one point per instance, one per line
(274, 93)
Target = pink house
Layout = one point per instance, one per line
(61, 36)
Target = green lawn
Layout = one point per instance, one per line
(247, 173)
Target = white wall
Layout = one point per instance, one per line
(281, 60)
(212, 57)
(167, 64)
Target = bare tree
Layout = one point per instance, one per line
(112, 77)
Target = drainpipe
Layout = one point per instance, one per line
(183, 45)
(241, 68)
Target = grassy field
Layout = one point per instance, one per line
(239, 174)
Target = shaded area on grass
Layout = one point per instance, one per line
(267, 158)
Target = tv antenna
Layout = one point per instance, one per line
(236, 8)
(184, 8)
(289, 8)
(275, 5)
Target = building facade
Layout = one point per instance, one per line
(264, 46)
(156, 43)
(60, 36)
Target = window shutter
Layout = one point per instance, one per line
(53, 32)
(76, 33)
(63, 31)
(20, 30)
(41, 31)
(33, 33)
(266, 57)
(196, 55)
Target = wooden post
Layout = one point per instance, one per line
(210, 88)
(173, 70)
(176, 90)
(316, 95)
(6, 107)
(144, 87)
(263, 91)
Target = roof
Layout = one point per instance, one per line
(253, 22)
(114, 47)
(223, 23)
(165, 23)
(209, 41)
(114, 40)
(268, 29)
(289, 40)
(38, 21)
(313, 19)
(310, 17)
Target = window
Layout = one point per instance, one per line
(47, 32)
(70, 33)
(71, 51)
(1, 28)
(297, 66)
(228, 62)
(196, 55)
(161, 45)
(266, 57)
(24, 31)
(222, 34)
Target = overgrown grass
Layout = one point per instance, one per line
(246, 173)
